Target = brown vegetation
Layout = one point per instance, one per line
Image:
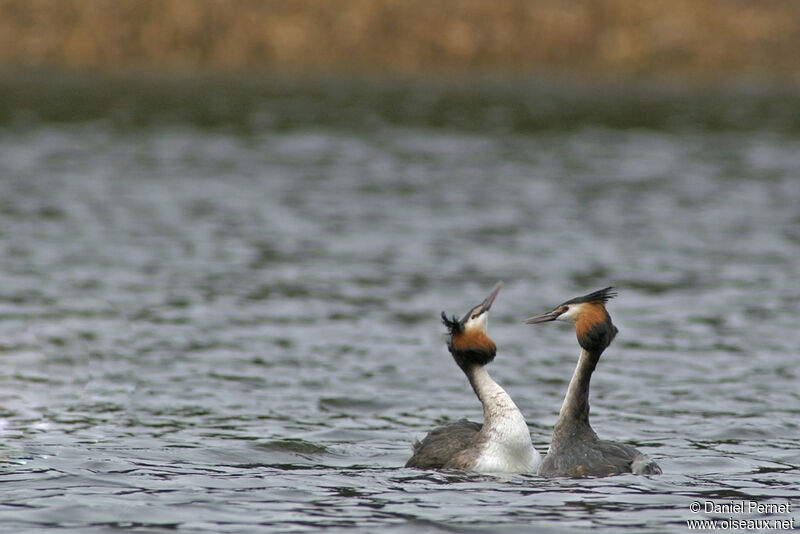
(690, 38)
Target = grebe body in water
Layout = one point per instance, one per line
(502, 444)
(575, 449)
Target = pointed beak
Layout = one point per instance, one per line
(487, 303)
(543, 318)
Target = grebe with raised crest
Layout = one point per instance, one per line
(575, 450)
(502, 444)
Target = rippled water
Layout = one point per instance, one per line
(211, 325)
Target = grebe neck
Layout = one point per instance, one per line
(497, 404)
(575, 408)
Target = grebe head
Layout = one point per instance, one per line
(593, 325)
(469, 341)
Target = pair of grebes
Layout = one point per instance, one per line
(502, 444)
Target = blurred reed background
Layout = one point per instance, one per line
(687, 39)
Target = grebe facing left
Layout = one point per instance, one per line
(575, 450)
(502, 444)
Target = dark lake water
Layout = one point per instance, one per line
(219, 300)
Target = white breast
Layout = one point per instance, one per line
(508, 448)
(505, 442)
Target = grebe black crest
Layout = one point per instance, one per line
(575, 449)
(502, 443)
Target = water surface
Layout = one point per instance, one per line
(219, 303)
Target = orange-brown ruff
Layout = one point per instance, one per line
(589, 315)
(575, 449)
(474, 340)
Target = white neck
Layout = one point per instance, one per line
(496, 402)
(507, 439)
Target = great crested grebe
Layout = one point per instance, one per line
(502, 444)
(575, 450)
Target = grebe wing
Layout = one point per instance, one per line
(601, 458)
(443, 444)
(622, 458)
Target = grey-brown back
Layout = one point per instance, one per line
(443, 444)
(596, 458)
